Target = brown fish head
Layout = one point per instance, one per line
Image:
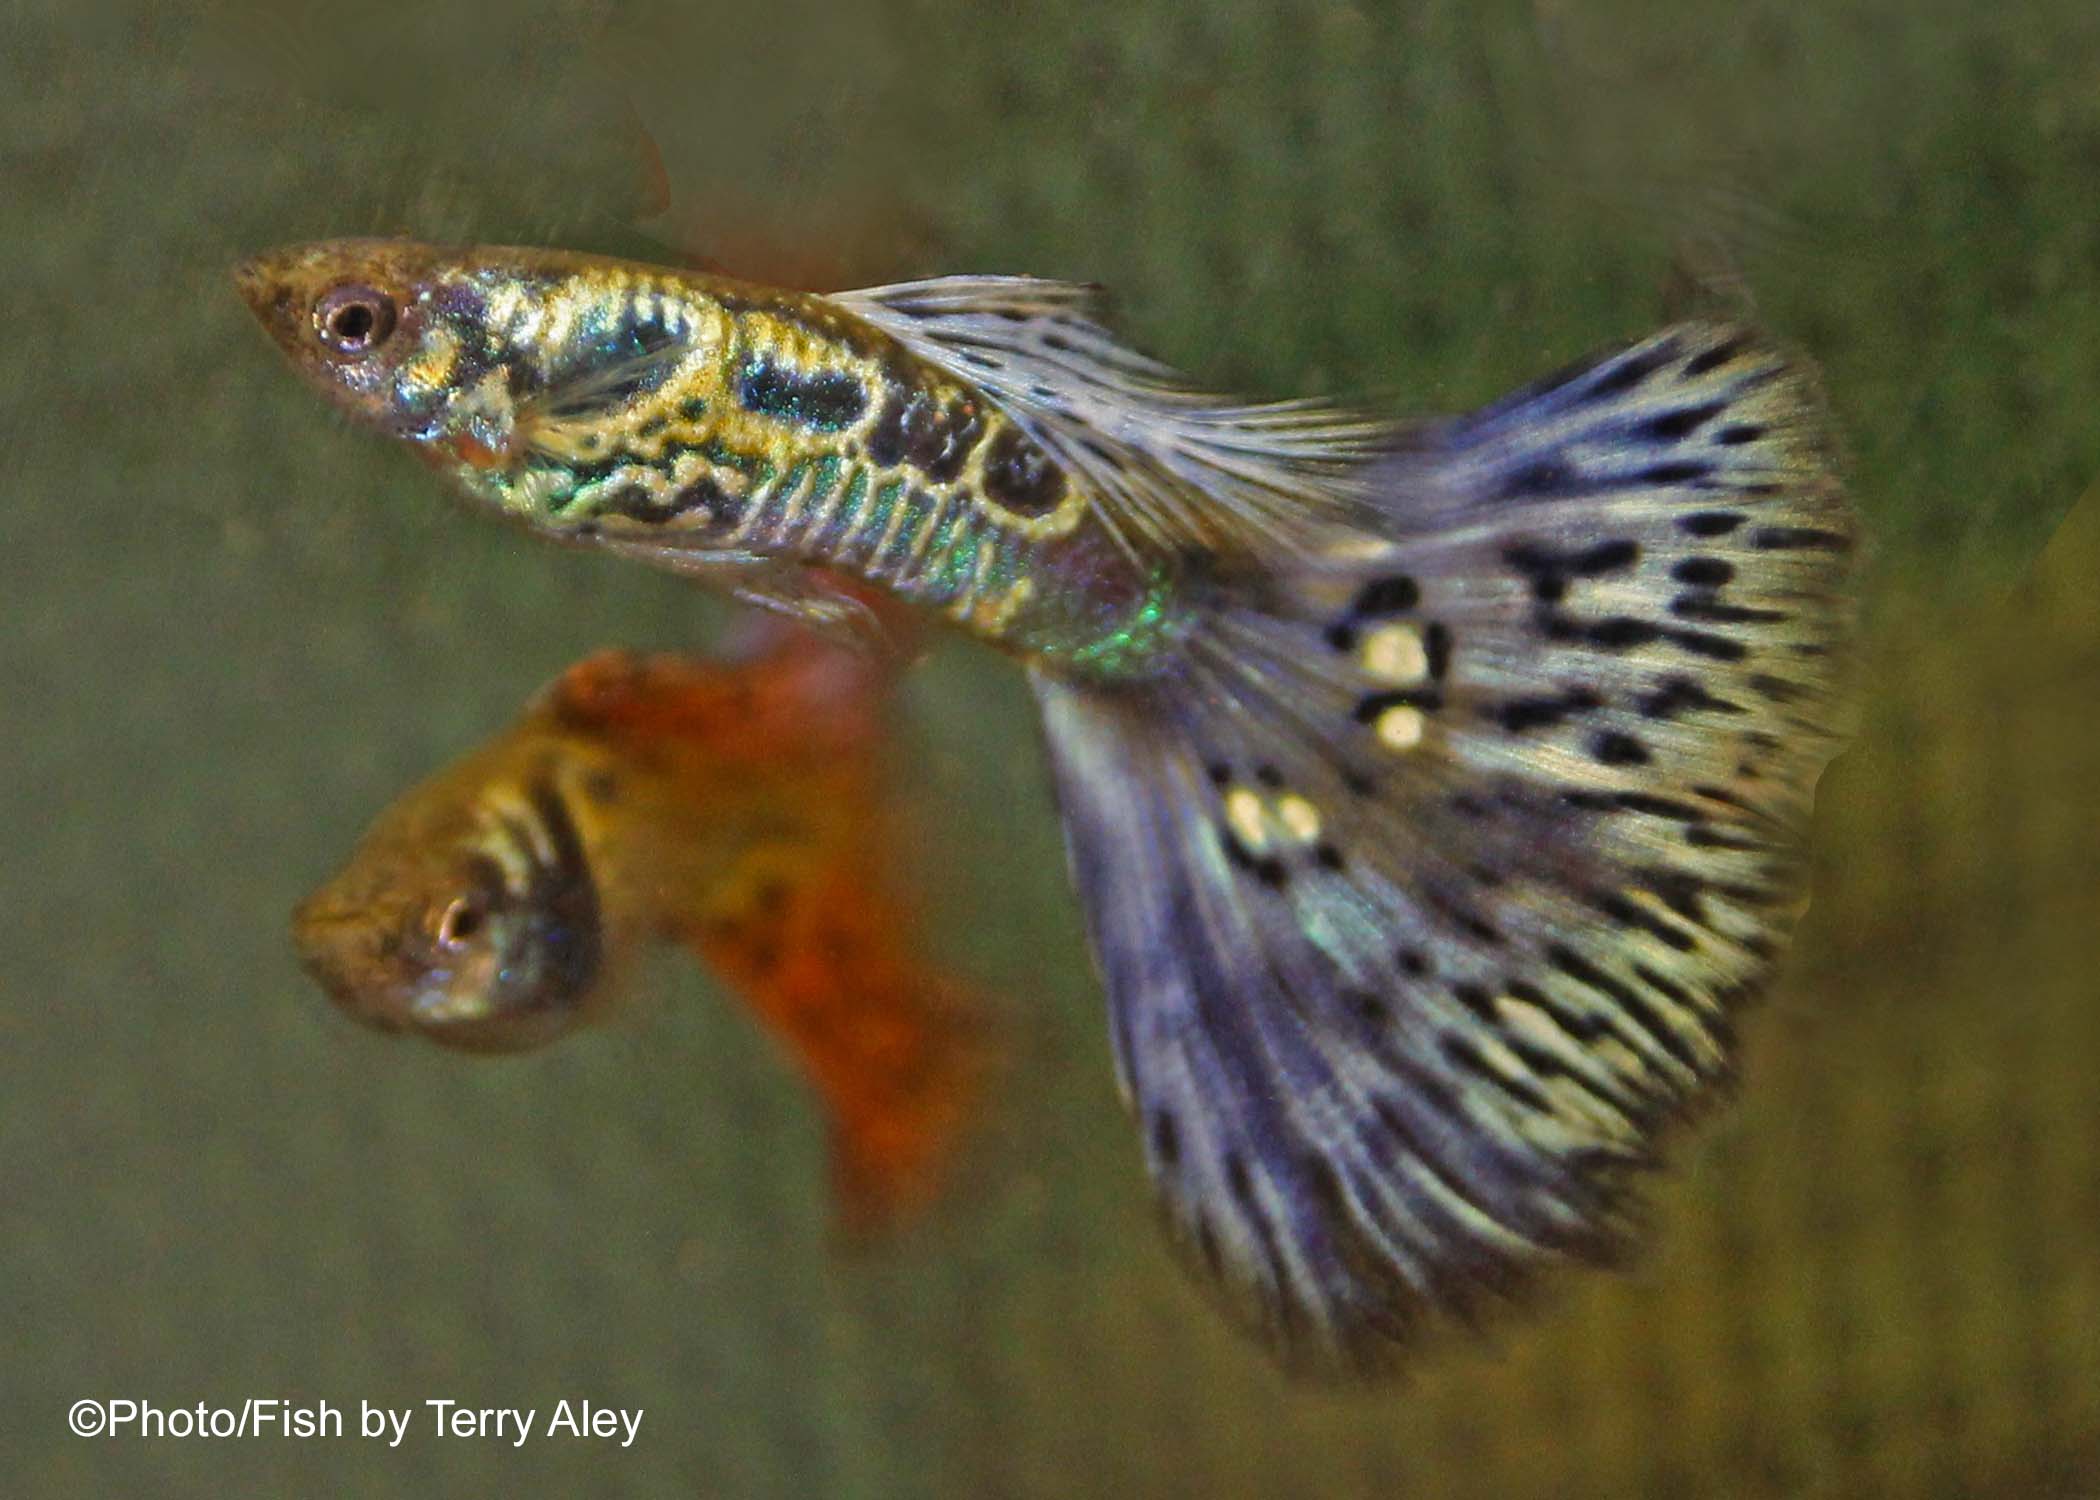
(472, 948)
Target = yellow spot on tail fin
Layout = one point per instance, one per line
(1394, 654)
(1243, 810)
(1401, 727)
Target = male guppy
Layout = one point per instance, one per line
(1435, 791)
(734, 808)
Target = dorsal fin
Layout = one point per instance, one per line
(796, 690)
(1173, 466)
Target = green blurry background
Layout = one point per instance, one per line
(233, 629)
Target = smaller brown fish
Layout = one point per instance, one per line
(736, 809)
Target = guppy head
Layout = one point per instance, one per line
(384, 328)
(487, 944)
(448, 347)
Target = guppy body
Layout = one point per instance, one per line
(600, 401)
(1435, 792)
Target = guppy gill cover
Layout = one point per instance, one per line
(1435, 791)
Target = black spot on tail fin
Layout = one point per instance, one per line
(1423, 911)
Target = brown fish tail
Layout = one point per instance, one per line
(894, 1047)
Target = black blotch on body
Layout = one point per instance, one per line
(609, 377)
(886, 439)
(704, 494)
(1709, 523)
(915, 428)
(1019, 477)
(633, 502)
(824, 399)
(594, 472)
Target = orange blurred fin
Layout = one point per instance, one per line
(652, 177)
(798, 691)
(896, 1050)
(864, 239)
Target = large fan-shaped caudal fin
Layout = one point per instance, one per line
(1427, 883)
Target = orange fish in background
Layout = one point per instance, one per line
(734, 808)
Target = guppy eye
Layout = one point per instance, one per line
(353, 319)
(462, 919)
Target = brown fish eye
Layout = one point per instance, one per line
(462, 919)
(354, 319)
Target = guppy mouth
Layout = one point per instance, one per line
(339, 952)
(264, 286)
